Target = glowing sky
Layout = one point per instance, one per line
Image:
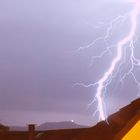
(39, 66)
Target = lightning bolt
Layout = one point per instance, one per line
(117, 61)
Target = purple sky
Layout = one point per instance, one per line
(38, 66)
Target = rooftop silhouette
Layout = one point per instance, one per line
(101, 131)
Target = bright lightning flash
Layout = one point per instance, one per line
(127, 41)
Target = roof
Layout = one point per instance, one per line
(3, 128)
(135, 121)
(119, 123)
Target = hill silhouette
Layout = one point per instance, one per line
(59, 125)
(50, 126)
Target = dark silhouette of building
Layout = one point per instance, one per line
(131, 130)
(31, 130)
(3, 128)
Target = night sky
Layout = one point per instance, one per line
(39, 62)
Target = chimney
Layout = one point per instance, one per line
(31, 130)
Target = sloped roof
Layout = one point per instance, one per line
(101, 131)
(128, 127)
(117, 121)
